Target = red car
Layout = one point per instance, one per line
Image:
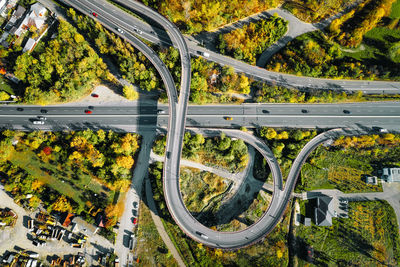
(94, 14)
(95, 95)
(88, 111)
(134, 220)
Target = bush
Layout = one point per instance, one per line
(130, 93)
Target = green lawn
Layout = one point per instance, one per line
(150, 247)
(5, 85)
(375, 45)
(334, 169)
(395, 10)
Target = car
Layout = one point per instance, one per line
(20, 109)
(94, 14)
(90, 107)
(345, 111)
(137, 30)
(134, 204)
(304, 111)
(204, 54)
(160, 111)
(120, 30)
(383, 130)
(42, 118)
(228, 118)
(35, 243)
(131, 243)
(134, 220)
(38, 122)
(344, 201)
(310, 253)
(134, 213)
(88, 111)
(43, 111)
(94, 95)
(265, 111)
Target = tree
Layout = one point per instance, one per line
(130, 93)
(394, 52)
(61, 204)
(4, 96)
(125, 162)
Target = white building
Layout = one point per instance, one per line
(35, 18)
(391, 174)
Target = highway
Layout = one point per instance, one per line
(366, 114)
(157, 35)
(382, 114)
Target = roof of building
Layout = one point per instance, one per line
(3, 3)
(391, 174)
(81, 225)
(100, 220)
(68, 219)
(38, 9)
(323, 211)
(30, 44)
(19, 12)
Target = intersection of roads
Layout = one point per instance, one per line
(178, 114)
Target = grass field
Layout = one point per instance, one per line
(201, 189)
(332, 169)
(6, 86)
(395, 14)
(375, 45)
(369, 237)
(150, 247)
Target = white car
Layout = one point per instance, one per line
(383, 130)
(120, 30)
(137, 30)
(42, 118)
(38, 122)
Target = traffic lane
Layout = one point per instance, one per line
(60, 110)
(161, 120)
(128, 22)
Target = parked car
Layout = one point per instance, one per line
(134, 220)
(94, 95)
(134, 204)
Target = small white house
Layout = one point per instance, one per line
(391, 174)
